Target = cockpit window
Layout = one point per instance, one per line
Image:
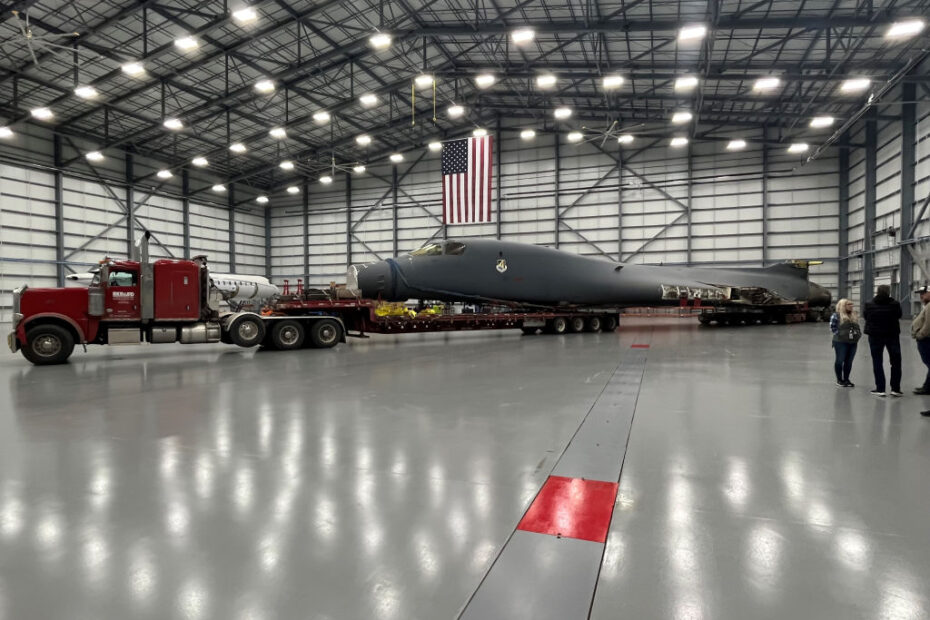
(430, 249)
(454, 248)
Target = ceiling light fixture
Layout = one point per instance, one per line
(94, 156)
(237, 147)
(679, 141)
(245, 15)
(219, 188)
(359, 169)
(625, 138)
(321, 117)
(368, 100)
(278, 133)
(287, 164)
(575, 136)
(133, 68)
(186, 43)
(766, 83)
(527, 134)
(736, 145)
(905, 29)
(293, 189)
(612, 82)
(546, 80)
(265, 86)
(434, 146)
(562, 113)
(455, 111)
(686, 82)
(262, 200)
(326, 179)
(479, 132)
(522, 36)
(692, 33)
(200, 161)
(819, 122)
(424, 80)
(164, 174)
(86, 92)
(681, 117)
(174, 124)
(855, 85)
(798, 147)
(363, 140)
(5, 132)
(396, 158)
(380, 40)
(43, 114)
(485, 80)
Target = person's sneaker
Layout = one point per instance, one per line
(840, 383)
(896, 393)
(921, 390)
(925, 414)
(849, 384)
(877, 393)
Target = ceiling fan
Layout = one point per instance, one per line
(41, 42)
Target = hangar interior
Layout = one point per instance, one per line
(386, 478)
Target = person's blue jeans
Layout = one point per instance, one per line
(877, 346)
(845, 352)
(923, 347)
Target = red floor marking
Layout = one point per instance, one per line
(639, 346)
(572, 508)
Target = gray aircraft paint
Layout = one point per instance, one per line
(488, 269)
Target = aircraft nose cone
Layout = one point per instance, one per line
(374, 280)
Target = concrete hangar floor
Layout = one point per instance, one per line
(391, 478)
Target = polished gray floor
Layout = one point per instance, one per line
(380, 479)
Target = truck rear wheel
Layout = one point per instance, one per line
(558, 325)
(325, 333)
(247, 331)
(48, 344)
(609, 324)
(576, 324)
(593, 324)
(287, 335)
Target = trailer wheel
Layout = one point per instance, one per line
(593, 324)
(247, 331)
(558, 325)
(325, 333)
(287, 335)
(609, 324)
(48, 344)
(576, 324)
(529, 331)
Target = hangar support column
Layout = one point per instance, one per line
(871, 167)
(908, 139)
(186, 211)
(558, 207)
(59, 216)
(130, 205)
(231, 202)
(842, 250)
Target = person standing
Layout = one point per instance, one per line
(846, 333)
(883, 327)
(920, 330)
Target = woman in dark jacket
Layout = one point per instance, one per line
(844, 348)
(883, 326)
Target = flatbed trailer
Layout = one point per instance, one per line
(761, 315)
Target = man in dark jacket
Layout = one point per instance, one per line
(883, 326)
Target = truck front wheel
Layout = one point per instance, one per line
(247, 331)
(48, 344)
(287, 335)
(325, 333)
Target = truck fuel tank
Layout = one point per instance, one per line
(200, 332)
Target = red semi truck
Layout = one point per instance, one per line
(167, 300)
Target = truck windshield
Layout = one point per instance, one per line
(122, 278)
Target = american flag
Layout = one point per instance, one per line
(466, 180)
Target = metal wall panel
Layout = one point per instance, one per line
(250, 242)
(164, 218)
(210, 235)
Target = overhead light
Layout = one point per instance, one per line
(6, 132)
(681, 117)
(612, 82)
(219, 188)
(855, 85)
(455, 111)
(562, 113)
(904, 29)
(359, 169)
(164, 174)
(686, 82)
(43, 114)
(133, 68)
(424, 80)
(798, 147)
(200, 161)
(485, 80)
(396, 158)
(286, 165)
(86, 92)
(766, 83)
(363, 140)
(326, 179)
(679, 141)
(368, 99)
(237, 147)
(575, 136)
(293, 189)
(736, 145)
(94, 156)
(527, 134)
(264, 86)
(819, 122)
(321, 117)
(692, 32)
(245, 15)
(262, 200)
(546, 80)
(174, 124)
(625, 138)
(380, 40)
(186, 44)
(522, 36)
(434, 146)
(479, 132)
(278, 133)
